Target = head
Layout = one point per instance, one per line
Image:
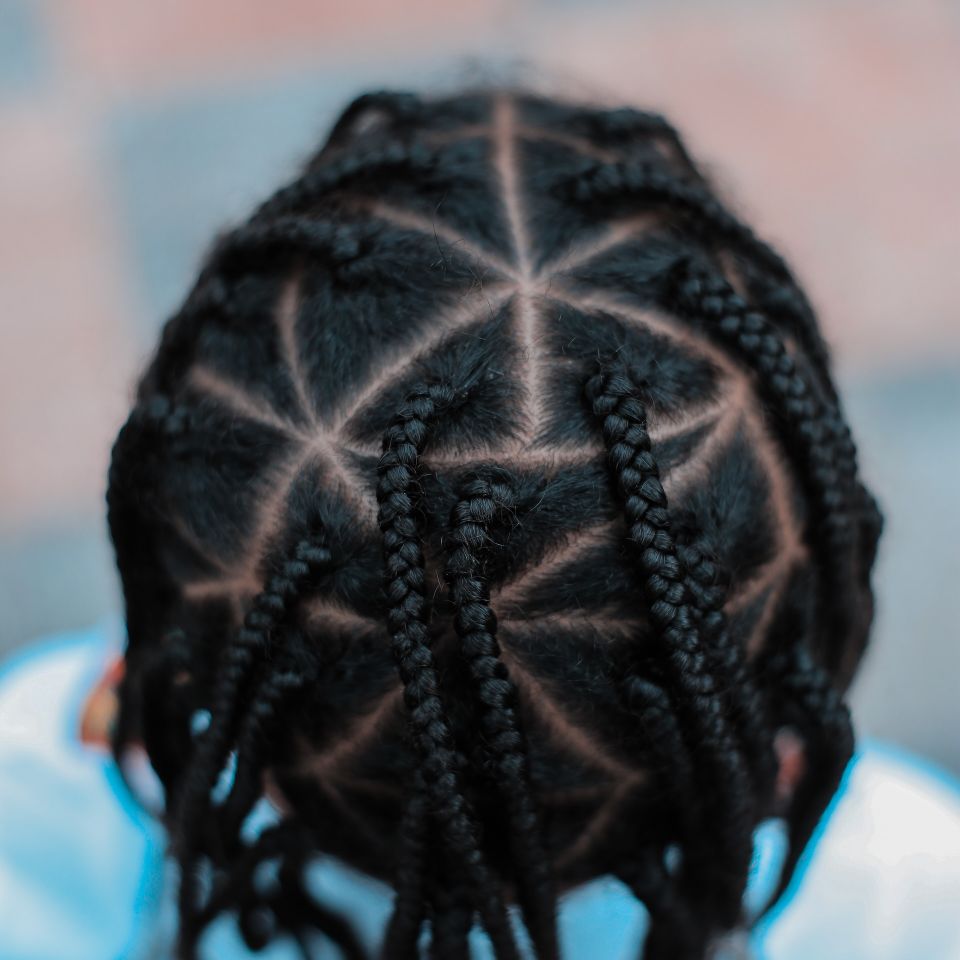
(489, 507)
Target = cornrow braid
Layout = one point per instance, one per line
(626, 123)
(131, 458)
(247, 247)
(142, 440)
(211, 296)
(649, 181)
(407, 622)
(710, 298)
(338, 243)
(479, 502)
(830, 466)
(275, 226)
(324, 179)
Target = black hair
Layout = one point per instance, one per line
(500, 388)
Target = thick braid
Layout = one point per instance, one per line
(677, 930)
(269, 609)
(625, 123)
(480, 500)
(235, 889)
(324, 178)
(705, 296)
(407, 622)
(760, 341)
(672, 930)
(451, 917)
(672, 762)
(297, 912)
(830, 466)
(747, 706)
(248, 246)
(285, 907)
(256, 737)
(401, 940)
(678, 905)
(670, 755)
(655, 182)
(813, 704)
(615, 403)
(788, 304)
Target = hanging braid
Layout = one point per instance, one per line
(254, 741)
(810, 701)
(476, 625)
(676, 930)
(517, 349)
(616, 404)
(286, 906)
(451, 918)
(745, 703)
(267, 613)
(407, 623)
(402, 937)
(829, 459)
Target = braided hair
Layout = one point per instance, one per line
(488, 505)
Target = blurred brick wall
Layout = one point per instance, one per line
(132, 131)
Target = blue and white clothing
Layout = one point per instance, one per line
(82, 872)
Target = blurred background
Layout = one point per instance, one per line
(129, 132)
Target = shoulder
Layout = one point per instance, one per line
(80, 863)
(882, 879)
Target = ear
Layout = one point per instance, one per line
(792, 765)
(100, 708)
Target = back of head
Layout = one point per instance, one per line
(489, 502)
